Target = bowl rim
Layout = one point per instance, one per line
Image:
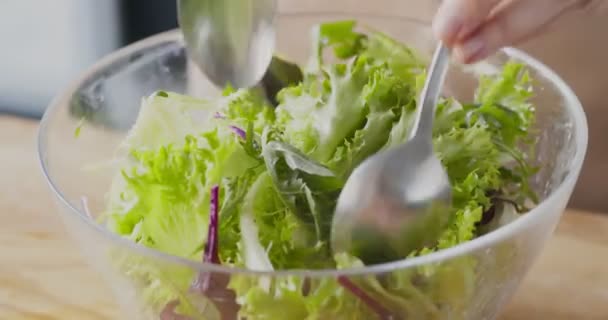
(573, 105)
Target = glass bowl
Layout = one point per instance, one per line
(470, 281)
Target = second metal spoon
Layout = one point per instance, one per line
(232, 41)
(398, 200)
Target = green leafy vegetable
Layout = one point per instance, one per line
(280, 169)
(79, 126)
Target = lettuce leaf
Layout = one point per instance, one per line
(293, 297)
(280, 170)
(307, 188)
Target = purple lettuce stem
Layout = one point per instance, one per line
(382, 312)
(203, 282)
(211, 254)
(239, 132)
(214, 285)
(219, 115)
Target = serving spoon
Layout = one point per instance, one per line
(398, 200)
(231, 41)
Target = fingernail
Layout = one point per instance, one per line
(469, 50)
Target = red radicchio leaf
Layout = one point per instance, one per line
(239, 132)
(382, 312)
(211, 254)
(211, 285)
(214, 285)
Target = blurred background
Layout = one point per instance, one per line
(46, 44)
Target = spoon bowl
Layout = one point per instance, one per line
(231, 41)
(398, 201)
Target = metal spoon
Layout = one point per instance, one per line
(232, 41)
(398, 200)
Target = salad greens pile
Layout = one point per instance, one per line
(240, 181)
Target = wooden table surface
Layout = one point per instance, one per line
(44, 277)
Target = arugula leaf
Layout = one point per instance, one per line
(308, 189)
(281, 74)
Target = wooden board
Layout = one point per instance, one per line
(44, 277)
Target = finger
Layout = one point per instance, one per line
(595, 6)
(457, 18)
(515, 22)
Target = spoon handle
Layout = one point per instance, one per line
(425, 111)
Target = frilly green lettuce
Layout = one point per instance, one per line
(280, 170)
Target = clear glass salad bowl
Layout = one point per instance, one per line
(473, 280)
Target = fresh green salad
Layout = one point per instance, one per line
(250, 180)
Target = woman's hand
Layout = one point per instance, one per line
(475, 29)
